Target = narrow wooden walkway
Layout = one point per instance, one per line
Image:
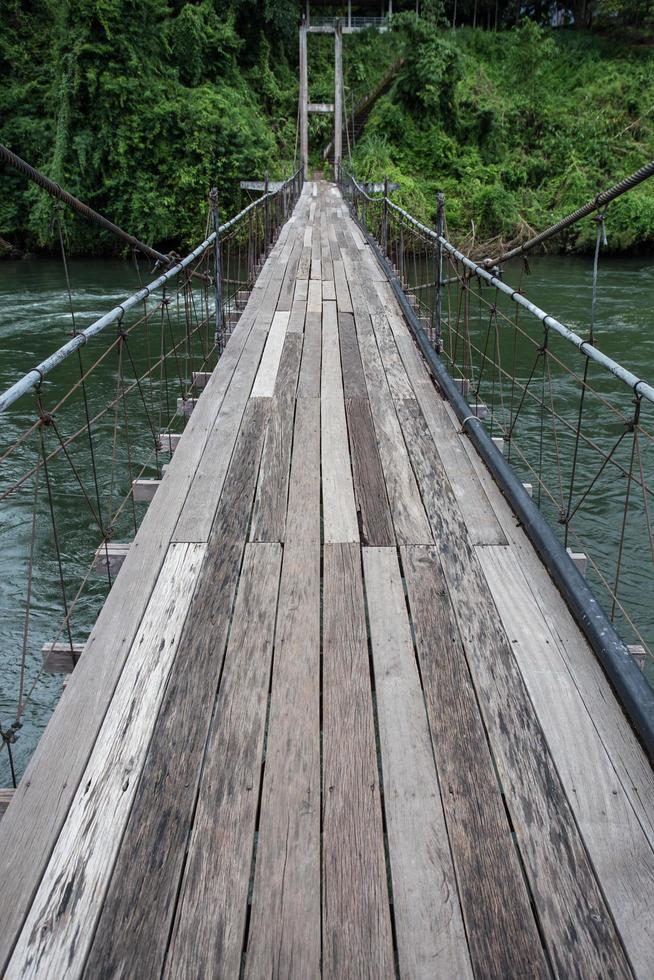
(334, 718)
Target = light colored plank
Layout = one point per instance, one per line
(269, 511)
(207, 937)
(70, 895)
(284, 935)
(301, 290)
(357, 939)
(328, 291)
(431, 938)
(314, 300)
(339, 510)
(620, 852)
(264, 383)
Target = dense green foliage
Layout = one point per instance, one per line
(139, 106)
(518, 128)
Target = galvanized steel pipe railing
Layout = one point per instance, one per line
(37, 374)
(633, 689)
(640, 387)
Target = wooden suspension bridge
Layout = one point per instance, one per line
(334, 718)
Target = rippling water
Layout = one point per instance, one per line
(35, 319)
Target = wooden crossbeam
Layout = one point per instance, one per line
(143, 491)
(169, 441)
(200, 379)
(58, 658)
(6, 796)
(111, 554)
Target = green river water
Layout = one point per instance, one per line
(35, 320)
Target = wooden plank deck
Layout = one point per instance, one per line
(334, 718)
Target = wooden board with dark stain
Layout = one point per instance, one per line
(357, 937)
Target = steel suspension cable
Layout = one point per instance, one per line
(86, 212)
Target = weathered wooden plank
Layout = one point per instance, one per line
(133, 934)
(304, 265)
(31, 826)
(284, 935)
(143, 490)
(58, 658)
(374, 515)
(564, 887)
(339, 510)
(309, 382)
(301, 291)
(298, 313)
(502, 934)
(396, 374)
(110, 555)
(316, 269)
(328, 291)
(354, 382)
(287, 290)
(200, 506)
(409, 518)
(481, 520)
(617, 845)
(629, 760)
(269, 511)
(208, 933)
(341, 287)
(357, 939)
(431, 938)
(314, 300)
(264, 383)
(6, 796)
(69, 897)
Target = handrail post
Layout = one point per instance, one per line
(251, 261)
(217, 271)
(266, 216)
(385, 218)
(438, 306)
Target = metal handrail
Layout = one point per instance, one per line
(36, 375)
(640, 387)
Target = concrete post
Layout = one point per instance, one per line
(304, 101)
(338, 99)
